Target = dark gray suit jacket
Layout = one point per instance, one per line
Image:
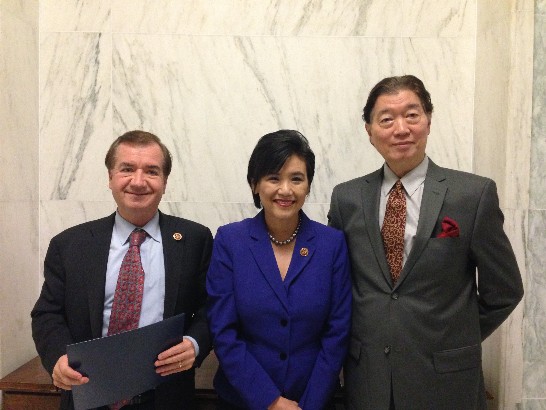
(70, 306)
(422, 338)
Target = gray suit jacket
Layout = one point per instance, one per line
(422, 338)
(70, 306)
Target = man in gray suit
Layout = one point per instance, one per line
(420, 315)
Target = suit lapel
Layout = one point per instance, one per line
(371, 190)
(433, 198)
(173, 256)
(262, 251)
(95, 262)
(303, 251)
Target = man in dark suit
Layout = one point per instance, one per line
(420, 310)
(83, 263)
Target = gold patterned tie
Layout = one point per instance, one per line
(393, 229)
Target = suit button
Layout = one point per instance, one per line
(284, 322)
(283, 356)
(394, 296)
(387, 349)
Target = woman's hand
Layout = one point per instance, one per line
(283, 404)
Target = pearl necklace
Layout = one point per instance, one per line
(287, 241)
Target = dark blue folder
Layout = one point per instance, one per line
(122, 366)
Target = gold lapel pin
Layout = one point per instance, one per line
(304, 251)
(177, 236)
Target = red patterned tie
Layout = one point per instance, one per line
(393, 229)
(128, 296)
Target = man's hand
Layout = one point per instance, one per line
(65, 376)
(283, 404)
(176, 359)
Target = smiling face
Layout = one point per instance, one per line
(137, 181)
(282, 194)
(399, 129)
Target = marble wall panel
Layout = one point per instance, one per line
(538, 152)
(492, 79)
(19, 101)
(75, 114)
(75, 15)
(212, 215)
(18, 178)
(448, 18)
(533, 360)
(534, 363)
(58, 215)
(525, 5)
(518, 135)
(211, 107)
(288, 18)
(317, 212)
(18, 269)
(425, 18)
(533, 404)
(25, 12)
(245, 17)
(439, 62)
(535, 309)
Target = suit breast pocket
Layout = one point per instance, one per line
(445, 249)
(446, 243)
(454, 360)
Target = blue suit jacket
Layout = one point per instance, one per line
(275, 337)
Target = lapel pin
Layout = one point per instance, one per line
(177, 236)
(304, 251)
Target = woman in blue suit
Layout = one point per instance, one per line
(279, 290)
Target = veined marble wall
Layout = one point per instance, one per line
(19, 225)
(502, 140)
(534, 334)
(211, 77)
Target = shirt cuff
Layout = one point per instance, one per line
(194, 343)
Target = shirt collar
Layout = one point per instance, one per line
(123, 228)
(411, 181)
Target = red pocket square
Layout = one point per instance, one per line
(450, 228)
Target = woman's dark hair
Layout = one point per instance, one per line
(393, 85)
(272, 151)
